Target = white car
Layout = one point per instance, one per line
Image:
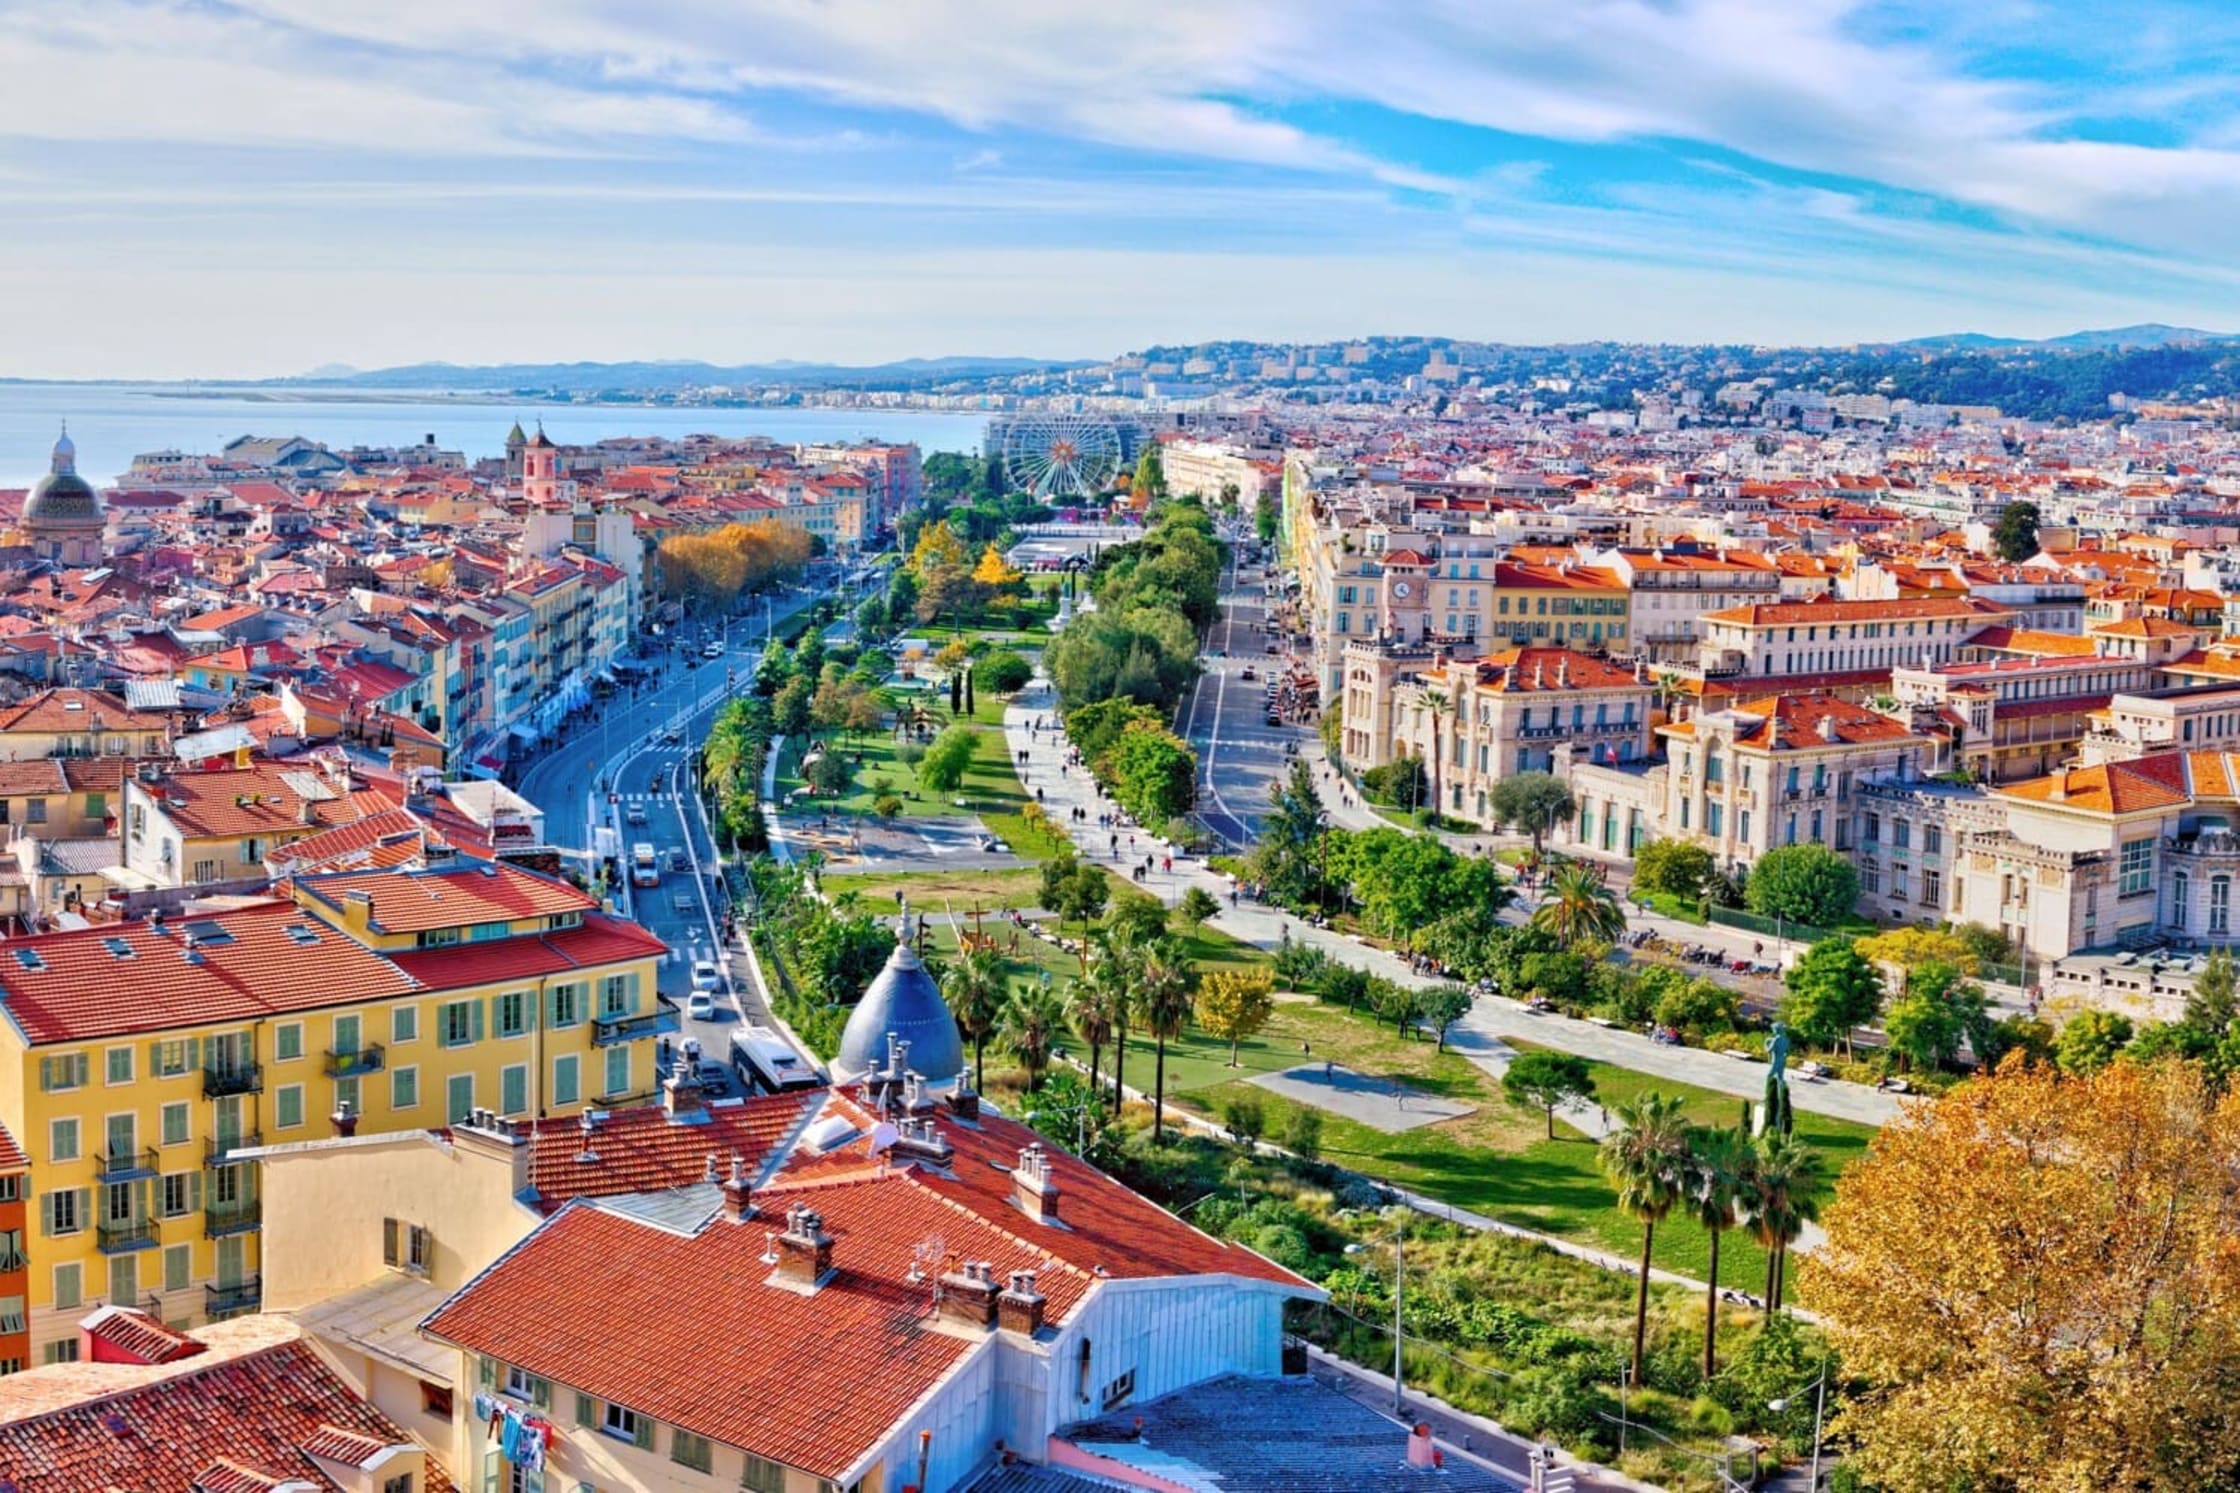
(704, 976)
(713, 650)
(700, 1006)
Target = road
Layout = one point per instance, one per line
(1240, 756)
(637, 745)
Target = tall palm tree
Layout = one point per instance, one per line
(1162, 1005)
(1111, 974)
(1718, 1165)
(1777, 1201)
(1577, 906)
(1090, 1009)
(973, 989)
(1646, 1160)
(1435, 701)
(1032, 1021)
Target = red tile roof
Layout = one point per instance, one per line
(140, 1337)
(643, 1150)
(1827, 609)
(450, 896)
(228, 1420)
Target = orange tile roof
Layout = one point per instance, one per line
(76, 711)
(227, 1419)
(1538, 670)
(2161, 781)
(2033, 641)
(643, 1150)
(1801, 718)
(450, 896)
(1826, 609)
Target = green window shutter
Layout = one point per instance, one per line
(486, 1371)
(46, 1215)
(84, 1066)
(631, 997)
(194, 1050)
(643, 1435)
(389, 1254)
(587, 1413)
(155, 1059)
(490, 1471)
(540, 1393)
(194, 1192)
(474, 1021)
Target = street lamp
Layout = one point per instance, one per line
(1819, 1411)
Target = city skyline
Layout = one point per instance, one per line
(255, 189)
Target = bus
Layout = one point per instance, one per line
(764, 1060)
(644, 869)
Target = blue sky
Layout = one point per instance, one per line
(198, 187)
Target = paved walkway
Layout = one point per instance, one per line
(1380, 1103)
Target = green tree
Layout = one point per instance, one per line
(1032, 1021)
(2015, 535)
(790, 712)
(1578, 906)
(1136, 916)
(1196, 906)
(1006, 672)
(973, 989)
(829, 773)
(1234, 1004)
(1803, 884)
(1546, 1081)
(1150, 482)
(1162, 1008)
(1532, 803)
(2213, 1005)
(1302, 1132)
(1265, 521)
(1154, 774)
(1111, 971)
(948, 758)
(1289, 856)
(1673, 868)
(1442, 1006)
(1718, 1165)
(1831, 990)
(2090, 1041)
(1646, 1160)
(1092, 1006)
(1700, 1006)
(1940, 1008)
(1778, 1198)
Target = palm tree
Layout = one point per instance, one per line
(1090, 1006)
(1646, 1160)
(1719, 1162)
(1032, 1020)
(1112, 974)
(1777, 1201)
(973, 988)
(1577, 906)
(1435, 700)
(1162, 1002)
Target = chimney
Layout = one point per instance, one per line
(680, 1094)
(738, 1197)
(345, 1120)
(969, 1295)
(964, 1101)
(1539, 672)
(1031, 1187)
(2060, 792)
(486, 1133)
(804, 1249)
(1020, 1308)
(917, 1138)
(1563, 672)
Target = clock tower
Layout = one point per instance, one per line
(1407, 596)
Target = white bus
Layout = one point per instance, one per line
(763, 1060)
(644, 869)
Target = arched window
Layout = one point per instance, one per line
(2220, 904)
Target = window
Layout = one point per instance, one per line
(567, 1079)
(69, 1287)
(62, 1140)
(65, 1351)
(458, 1098)
(435, 1399)
(68, 1071)
(2180, 885)
(1118, 1391)
(11, 1314)
(523, 1385)
(287, 1042)
(404, 1088)
(567, 1005)
(618, 995)
(618, 1070)
(761, 1475)
(1932, 886)
(513, 1013)
(401, 1483)
(404, 1024)
(170, 1059)
(407, 1246)
(11, 1249)
(1901, 833)
(459, 1023)
(175, 1193)
(2135, 868)
(513, 1089)
(119, 1065)
(176, 1125)
(35, 811)
(1932, 839)
(124, 1280)
(287, 1106)
(688, 1450)
(1872, 833)
(2220, 904)
(628, 1425)
(178, 1266)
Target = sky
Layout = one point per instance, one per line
(252, 188)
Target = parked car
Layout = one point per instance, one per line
(714, 1078)
(705, 975)
(700, 1006)
(713, 650)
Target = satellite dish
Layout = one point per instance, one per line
(883, 1137)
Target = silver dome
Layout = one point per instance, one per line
(902, 1002)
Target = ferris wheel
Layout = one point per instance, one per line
(1062, 455)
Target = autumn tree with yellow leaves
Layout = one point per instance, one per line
(2034, 1284)
(711, 570)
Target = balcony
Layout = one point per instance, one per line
(221, 1149)
(127, 1165)
(233, 1300)
(662, 1021)
(221, 1219)
(122, 1236)
(219, 1080)
(366, 1059)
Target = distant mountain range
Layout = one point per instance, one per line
(2144, 334)
(592, 378)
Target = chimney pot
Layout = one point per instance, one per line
(969, 1295)
(804, 1249)
(1032, 1188)
(738, 1197)
(1021, 1307)
(964, 1103)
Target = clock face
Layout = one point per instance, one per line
(1400, 589)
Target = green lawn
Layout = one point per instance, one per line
(1497, 1160)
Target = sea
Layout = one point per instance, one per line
(112, 423)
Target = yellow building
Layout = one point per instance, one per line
(136, 1058)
